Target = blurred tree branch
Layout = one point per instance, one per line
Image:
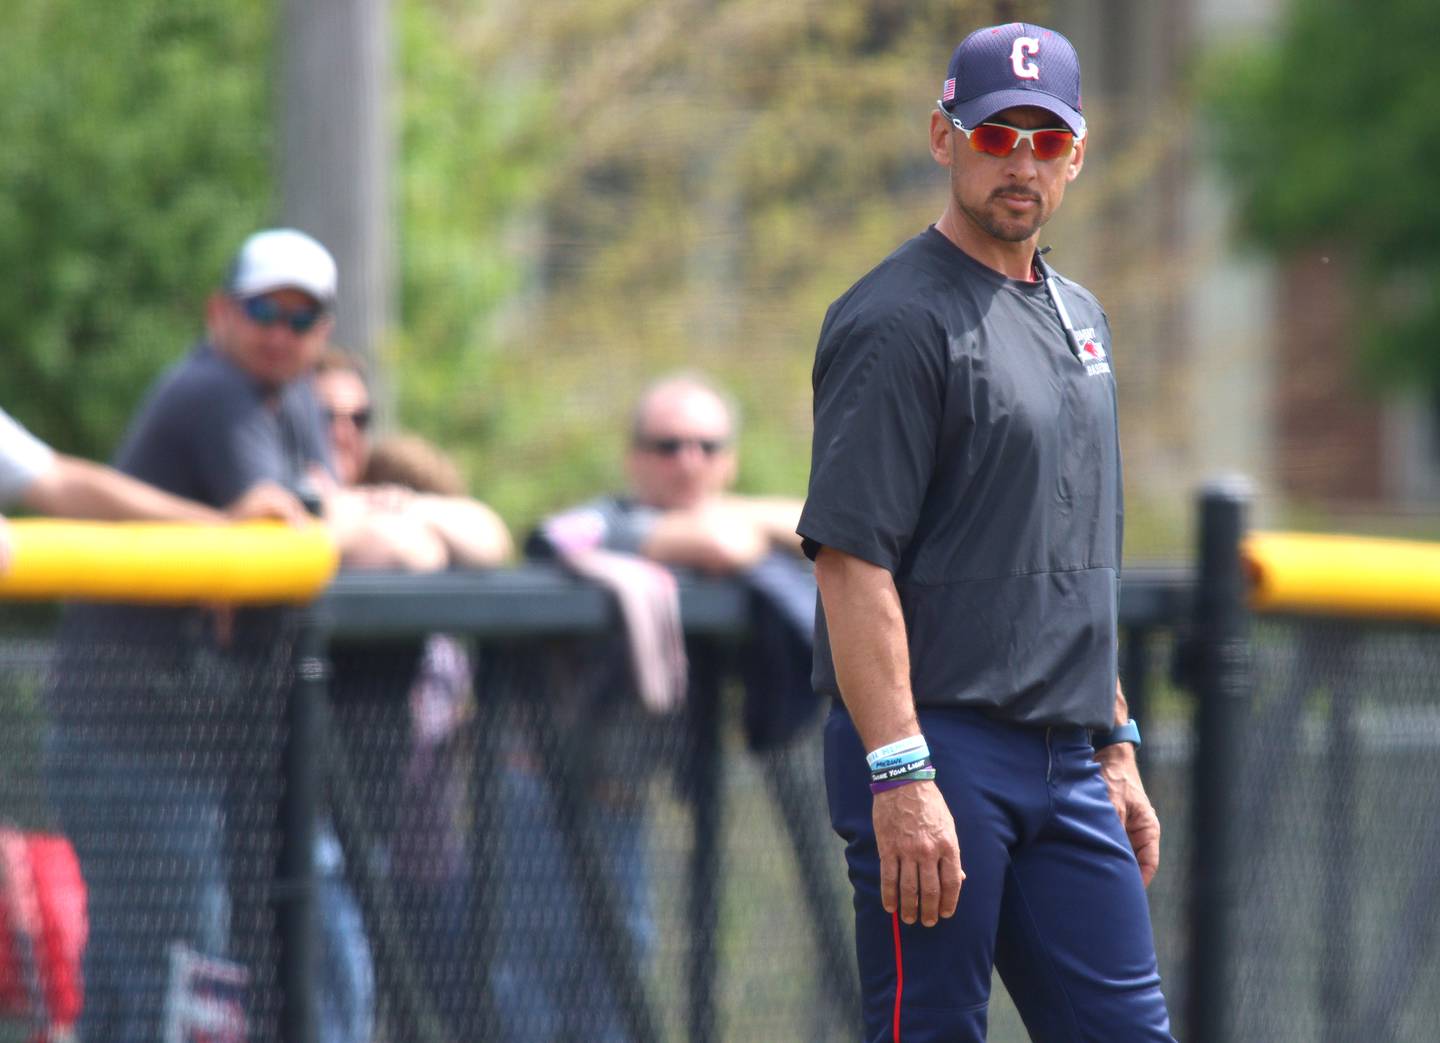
(1330, 133)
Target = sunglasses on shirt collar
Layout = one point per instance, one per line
(1001, 139)
(266, 311)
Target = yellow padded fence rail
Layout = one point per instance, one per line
(167, 563)
(1361, 576)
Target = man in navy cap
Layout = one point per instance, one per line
(964, 515)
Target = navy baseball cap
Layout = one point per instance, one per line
(1004, 66)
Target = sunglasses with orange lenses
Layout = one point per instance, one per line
(1001, 139)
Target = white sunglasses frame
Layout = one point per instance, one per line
(1027, 136)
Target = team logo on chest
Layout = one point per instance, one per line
(1092, 352)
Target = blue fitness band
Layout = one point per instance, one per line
(1127, 732)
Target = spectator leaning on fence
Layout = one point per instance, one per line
(680, 462)
(178, 740)
(46, 482)
(400, 705)
(411, 513)
(964, 515)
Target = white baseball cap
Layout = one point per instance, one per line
(283, 258)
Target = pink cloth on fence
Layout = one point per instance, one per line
(649, 602)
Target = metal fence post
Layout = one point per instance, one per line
(1221, 662)
(1135, 676)
(303, 768)
(704, 783)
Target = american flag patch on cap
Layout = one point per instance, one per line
(949, 93)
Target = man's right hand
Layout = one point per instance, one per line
(919, 853)
(268, 500)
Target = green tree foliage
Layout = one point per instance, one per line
(137, 151)
(1331, 134)
(471, 143)
(589, 195)
(697, 182)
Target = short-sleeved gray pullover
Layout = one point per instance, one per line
(962, 444)
(209, 432)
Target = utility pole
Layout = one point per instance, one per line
(336, 153)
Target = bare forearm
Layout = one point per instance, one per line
(775, 516)
(76, 488)
(869, 646)
(473, 533)
(711, 538)
(391, 540)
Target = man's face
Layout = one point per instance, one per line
(345, 400)
(682, 453)
(1007, 198)
(267, 336)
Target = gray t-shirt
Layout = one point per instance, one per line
(146, 679)
(209, 431)
(605, 523)
(962, 444)
(23, 458)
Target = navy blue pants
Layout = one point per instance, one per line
(1052, 897)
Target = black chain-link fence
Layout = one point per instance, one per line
(1339, 882)
(510, 848)
(154, 749)
(544, 859)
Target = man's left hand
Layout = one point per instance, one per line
(1137, 814)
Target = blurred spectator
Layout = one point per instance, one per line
(400, 706)
(403, 508)
(169, 755)
(46, 482)
(678, 512)
(681, 464)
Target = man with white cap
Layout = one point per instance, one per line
(171, 747)
(239, 410)
(964, 514)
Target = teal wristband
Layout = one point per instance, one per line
(1127, 732)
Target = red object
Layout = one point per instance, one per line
(43, 928)
(899, 972)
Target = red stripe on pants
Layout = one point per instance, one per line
(899, 974)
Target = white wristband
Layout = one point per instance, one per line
(901, 751)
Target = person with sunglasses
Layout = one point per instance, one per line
(964, 515)
(558, 980)
(681, 463)
(166, 745)
(239, 409)
(386, 524)
(398, 707)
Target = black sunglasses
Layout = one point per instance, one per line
(674, 446)
(360, 418)
(264, 311)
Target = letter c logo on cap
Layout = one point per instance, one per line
(1025, 45)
